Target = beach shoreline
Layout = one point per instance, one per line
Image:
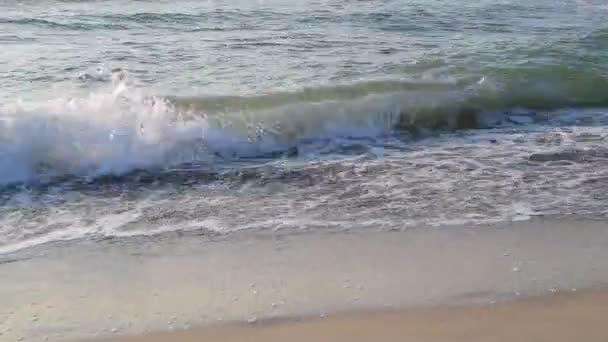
(146, 286)
(284, 170)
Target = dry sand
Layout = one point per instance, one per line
(581, 316)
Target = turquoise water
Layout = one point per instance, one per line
(219, 116)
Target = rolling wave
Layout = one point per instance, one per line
(413, 106)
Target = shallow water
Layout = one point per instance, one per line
(127, 118)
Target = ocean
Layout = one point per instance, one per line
(122, 119)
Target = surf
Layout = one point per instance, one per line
(118, 128)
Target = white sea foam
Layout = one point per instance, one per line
(112, 131)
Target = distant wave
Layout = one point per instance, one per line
(182, 21)
(81, 25)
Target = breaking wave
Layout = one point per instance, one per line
(120, 129)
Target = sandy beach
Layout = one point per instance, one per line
(559, 317)
(447, 283)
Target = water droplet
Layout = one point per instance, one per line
(492, 302)
(515, 269)
(552, 290)
(114, 330)
(573, 289)
(273, 305)
(517, 293)
(34, 318)
(252, 320)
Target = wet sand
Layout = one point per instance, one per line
(568, 317)
(361, 280)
